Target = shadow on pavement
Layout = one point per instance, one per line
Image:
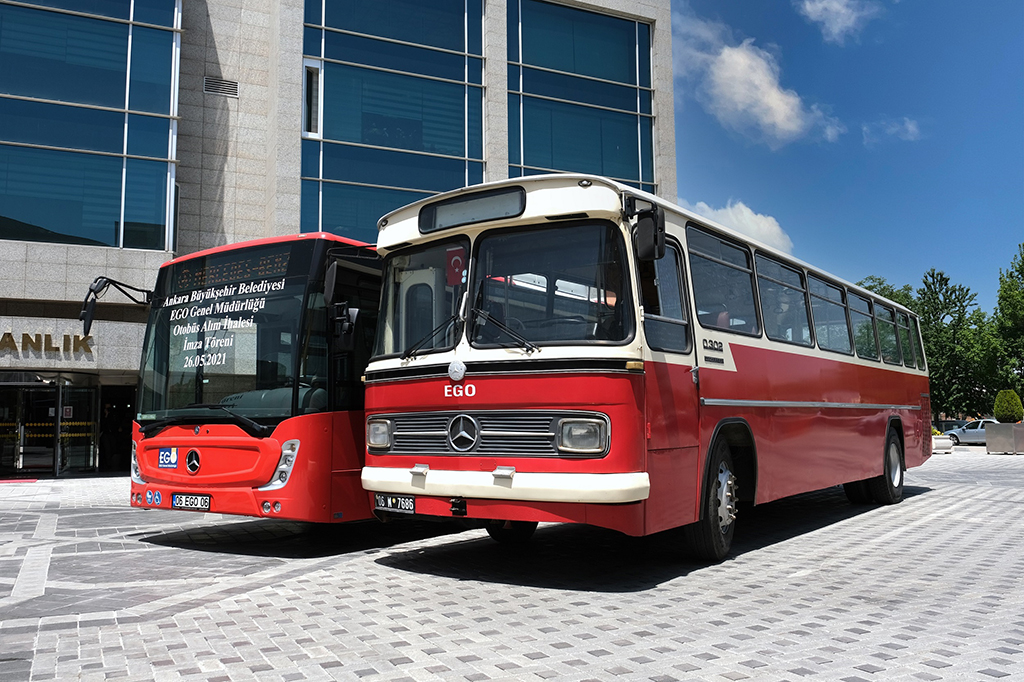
(585, 558)
(296, 540)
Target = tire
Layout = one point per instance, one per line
(954, 440)
(888, 488)
(710, 538)
(857, 492)
(511, 532)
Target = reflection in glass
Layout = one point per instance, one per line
(352, 211)
(382, 167)
(150, 86)
(56, 125)
(145, 203)
(63, 57)
(578, 41)
(61, 197)
(570, 137)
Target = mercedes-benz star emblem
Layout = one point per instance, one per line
(192, 461)
(463, 433)
(456, 370)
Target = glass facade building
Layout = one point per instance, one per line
(579, 93)
(87, 129)
(393, 112)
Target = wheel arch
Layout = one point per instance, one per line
(895, 424)
(737, 433)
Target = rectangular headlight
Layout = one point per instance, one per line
(378, 433)
(583, 436)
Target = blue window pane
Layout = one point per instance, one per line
(62, 197)
(347, 48)
(646, 149)
(475, 70)
(512, 25)
(353, 212)
(475, 172)
(390, 110)
(474, 26)
(311, 41)
(309, 220)
(535, 171)
(381, 167)
(62, 57)
(107, 8)
(475, 117)
(314, 12)
(310, 159)
(515, 171)
(160, 12)
(643, 40)
(513, 78)
(649, 188)
(579, 89)
(148, 135)
(402, 20)
(578, 41)
(60, 126)
(145, 204)
(514, 140)
(645, 101)
(150, 86)
(582, 139)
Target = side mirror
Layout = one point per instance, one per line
(88, 310)
(343, 321)
(650, 234)
(330, 283)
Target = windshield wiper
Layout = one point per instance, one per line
(253, 428)
(520, 340)
(411, 350)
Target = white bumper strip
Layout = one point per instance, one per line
(525, 486)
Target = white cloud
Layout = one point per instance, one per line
(906, 129)
(742, 218)
(838, 18)
(741, 85)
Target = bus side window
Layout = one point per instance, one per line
(665, 323)
(863, 327)
(886, 320)
(828, 305)
(783, 302)
(903, 322)
(723, 284)
(918, 349)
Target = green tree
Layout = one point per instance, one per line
(1008, 408)
(904, 295)
(1009, 323)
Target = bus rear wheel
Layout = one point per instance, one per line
(888, 488)
(710, 538)
(511, 532)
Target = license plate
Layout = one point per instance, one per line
(186, 501)
(403, 504)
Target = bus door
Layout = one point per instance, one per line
(671, 393)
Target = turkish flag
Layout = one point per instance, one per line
(456, 261)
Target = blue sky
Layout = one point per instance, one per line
(867, 137)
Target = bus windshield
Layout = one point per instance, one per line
(551, 285)
(224, 339)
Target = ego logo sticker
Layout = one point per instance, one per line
(714, 345)
(167, 458)
(456, 391)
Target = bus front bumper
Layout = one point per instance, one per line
(503, 484)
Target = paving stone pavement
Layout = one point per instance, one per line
(816, 589)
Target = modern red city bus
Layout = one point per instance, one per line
(250, 399)
(567, 348)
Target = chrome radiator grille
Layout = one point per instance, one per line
(501, 433)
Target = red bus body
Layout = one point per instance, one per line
(235, 467)
(796, 418)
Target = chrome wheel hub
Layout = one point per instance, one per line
(726, 497)
(895, 470)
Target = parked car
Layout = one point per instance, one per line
(971, 432)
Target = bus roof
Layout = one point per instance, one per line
(269, 240)
(541, 180)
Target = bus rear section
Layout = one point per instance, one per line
(250, 401)
(564, 348)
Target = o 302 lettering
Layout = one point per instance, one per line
(456, 391)
(714, 345)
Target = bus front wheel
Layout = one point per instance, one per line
(511, 532)
(710, 538)
(888, 488)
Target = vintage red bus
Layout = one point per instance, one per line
(567, 348)
(250, 399)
